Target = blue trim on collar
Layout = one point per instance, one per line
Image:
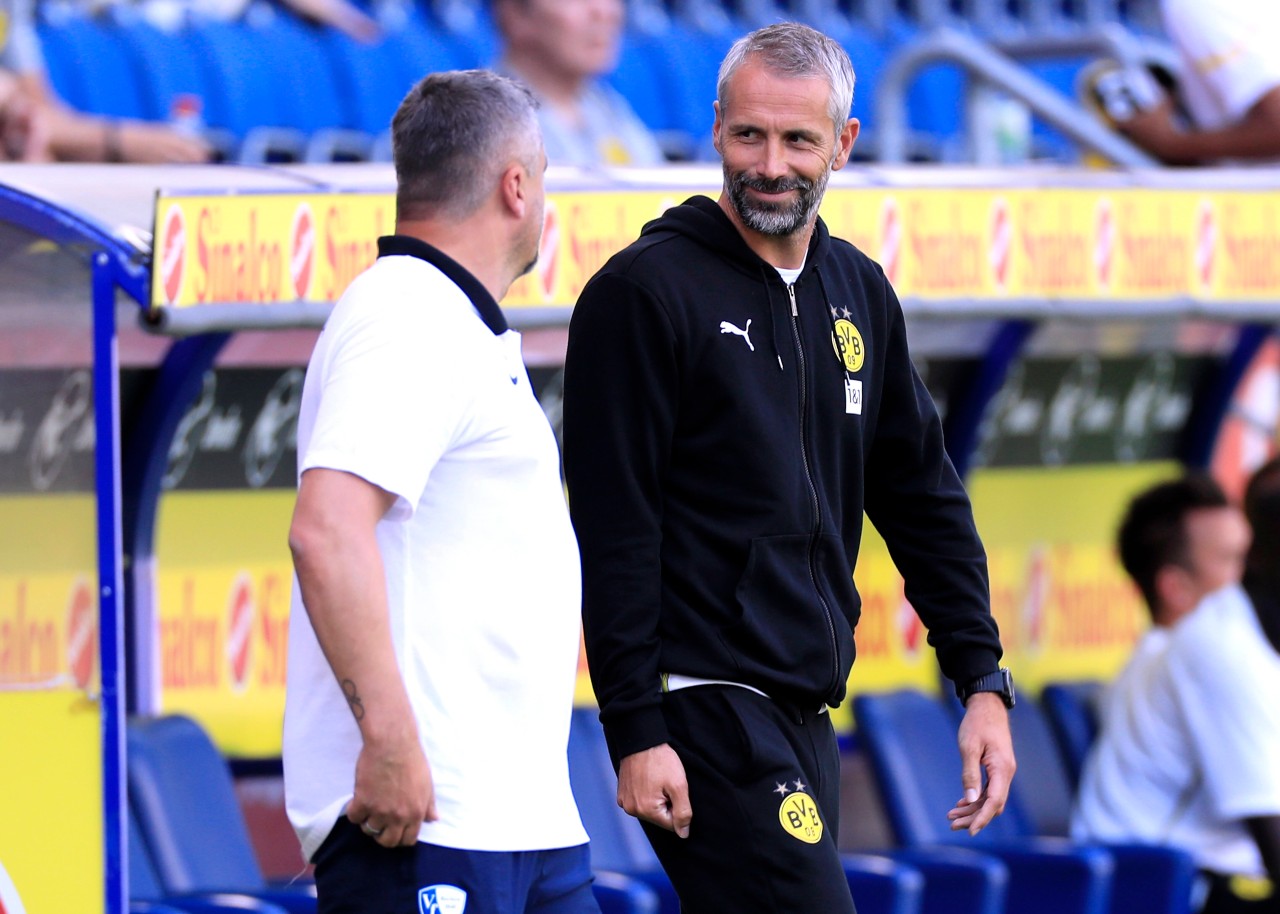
(407, 246)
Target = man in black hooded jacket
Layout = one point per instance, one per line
(737, 391)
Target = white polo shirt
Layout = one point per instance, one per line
(1193, 748)
(425, 394)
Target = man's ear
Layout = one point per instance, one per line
(1175, 590)
(513, 188)
(715, 127)
(844, 143)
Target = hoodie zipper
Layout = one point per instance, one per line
(808, 475)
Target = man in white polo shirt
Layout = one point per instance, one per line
(434, 634)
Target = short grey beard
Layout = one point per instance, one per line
(777, 220)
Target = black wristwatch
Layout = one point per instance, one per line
(1000, 682)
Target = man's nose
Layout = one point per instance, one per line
(773, 162)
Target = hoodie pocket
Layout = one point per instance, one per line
(796, 603)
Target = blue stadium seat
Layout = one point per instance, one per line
(305, 77)
(146, 896)
(370, 78)
(89, 69)
(619, 894)
(183, 798)
(242, 74)
(881, 885)
(166, 65)
(618, 843)
(1073, 713)
(1147, 878)
(420, 47)
(911, 741)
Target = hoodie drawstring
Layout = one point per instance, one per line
(774, 315)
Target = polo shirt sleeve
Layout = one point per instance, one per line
(392, 401)
(1227, 686)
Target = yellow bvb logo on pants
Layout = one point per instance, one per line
(799, 817)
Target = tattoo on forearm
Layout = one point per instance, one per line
(353, 698)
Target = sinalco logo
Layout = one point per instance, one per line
(549, 251)
(82, 635)
(1206, 244)
(890, 239)
(173, 253)
(10, 903)
(240, 617)
(1001, 253)
(302, 252)
(1104, 245)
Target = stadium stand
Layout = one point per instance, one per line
(271, 72)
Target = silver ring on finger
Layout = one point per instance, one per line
(369, 829)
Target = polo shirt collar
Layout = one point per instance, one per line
(407, 246)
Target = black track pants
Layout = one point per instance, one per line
(764, 786)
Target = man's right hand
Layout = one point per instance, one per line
(393, 792)
(652, 786)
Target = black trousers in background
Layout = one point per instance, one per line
(764, 783)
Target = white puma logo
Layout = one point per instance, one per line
(726, 327)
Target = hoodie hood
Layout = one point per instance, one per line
(703, 221)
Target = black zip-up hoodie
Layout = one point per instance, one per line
(720, 446)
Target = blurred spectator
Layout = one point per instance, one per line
(342, 15)
(1189, 753)
(24, 133)
(560, 49)
(1229, 85)
(38, 126)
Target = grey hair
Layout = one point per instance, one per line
(795, 50)
(452, 134)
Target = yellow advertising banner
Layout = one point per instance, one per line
(264, 248)
(52, 758)
(1104, 244)
(51, 833)
(1065, 609)
(223, 588)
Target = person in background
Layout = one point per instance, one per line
(561, 49)
(53, 131)
(433, 637)
(1189, 749)
(1229, 85)
(737, 390)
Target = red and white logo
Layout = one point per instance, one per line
(10, 903)
(890, 239)
(549, 251)
(240, 613)
(1104, 246)
(910, 628)
(1206, 243)
(82, 635)
(1001, 243)
(173, 253)
(1036, 597)
(302, 251)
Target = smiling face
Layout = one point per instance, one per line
(779, 146)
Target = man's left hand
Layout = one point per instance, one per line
(985, 746)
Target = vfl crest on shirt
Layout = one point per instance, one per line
(442, 899)
(798, 813)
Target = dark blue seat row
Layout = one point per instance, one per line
(273, 70)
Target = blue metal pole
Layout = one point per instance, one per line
(965, 413)
(106, 403)
(146, 455)
(1200, 434)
